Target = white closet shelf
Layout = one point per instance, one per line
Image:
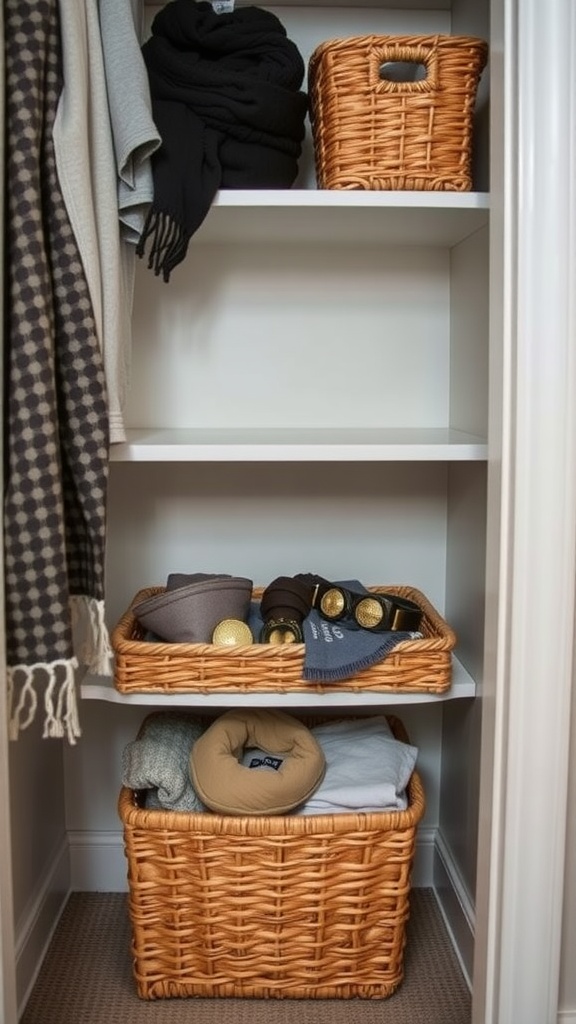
(102, 688)
(400, 5)
(332, 216)
(253, 444)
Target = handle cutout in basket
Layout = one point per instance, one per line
(403, 71)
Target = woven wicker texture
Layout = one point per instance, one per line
(371, 133)
(140, 665)
(293, 907)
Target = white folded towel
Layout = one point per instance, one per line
(367, 769)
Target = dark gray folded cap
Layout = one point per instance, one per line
(189, 614)
(182, 579)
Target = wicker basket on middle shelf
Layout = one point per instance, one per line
(414, 666)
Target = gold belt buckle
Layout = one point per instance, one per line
(281, 631)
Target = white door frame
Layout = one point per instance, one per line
(532, 515)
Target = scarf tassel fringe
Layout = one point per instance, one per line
(58, 678)
(60, 705)
(169, 243)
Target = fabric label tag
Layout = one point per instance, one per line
(266, 762)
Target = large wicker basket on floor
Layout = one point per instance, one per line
(292, 906)
(372, 133)
(423, 665)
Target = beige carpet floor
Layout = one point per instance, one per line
(86, 978)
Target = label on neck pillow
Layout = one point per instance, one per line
(266, 762)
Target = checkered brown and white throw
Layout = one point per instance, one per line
(55, 416)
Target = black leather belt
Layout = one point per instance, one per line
(288, 600)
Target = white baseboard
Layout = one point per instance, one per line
(97, 862)
(36, 925)
(455, 904)
(566, 1017)
(423, 869)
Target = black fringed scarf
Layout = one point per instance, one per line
(227, 103)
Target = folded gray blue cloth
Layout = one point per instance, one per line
(157, 761)
(335, 651)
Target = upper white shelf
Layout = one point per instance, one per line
(299, 445)
(333, 216)
(400, 5)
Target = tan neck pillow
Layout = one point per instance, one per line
(277, 783)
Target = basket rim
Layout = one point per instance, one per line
(400, 37)
(432, 41)
(123, 640)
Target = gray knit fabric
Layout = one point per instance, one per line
(157, 761)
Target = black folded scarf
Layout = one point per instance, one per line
(227, 103)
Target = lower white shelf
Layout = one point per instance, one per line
(102, 688)
(299, 445)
